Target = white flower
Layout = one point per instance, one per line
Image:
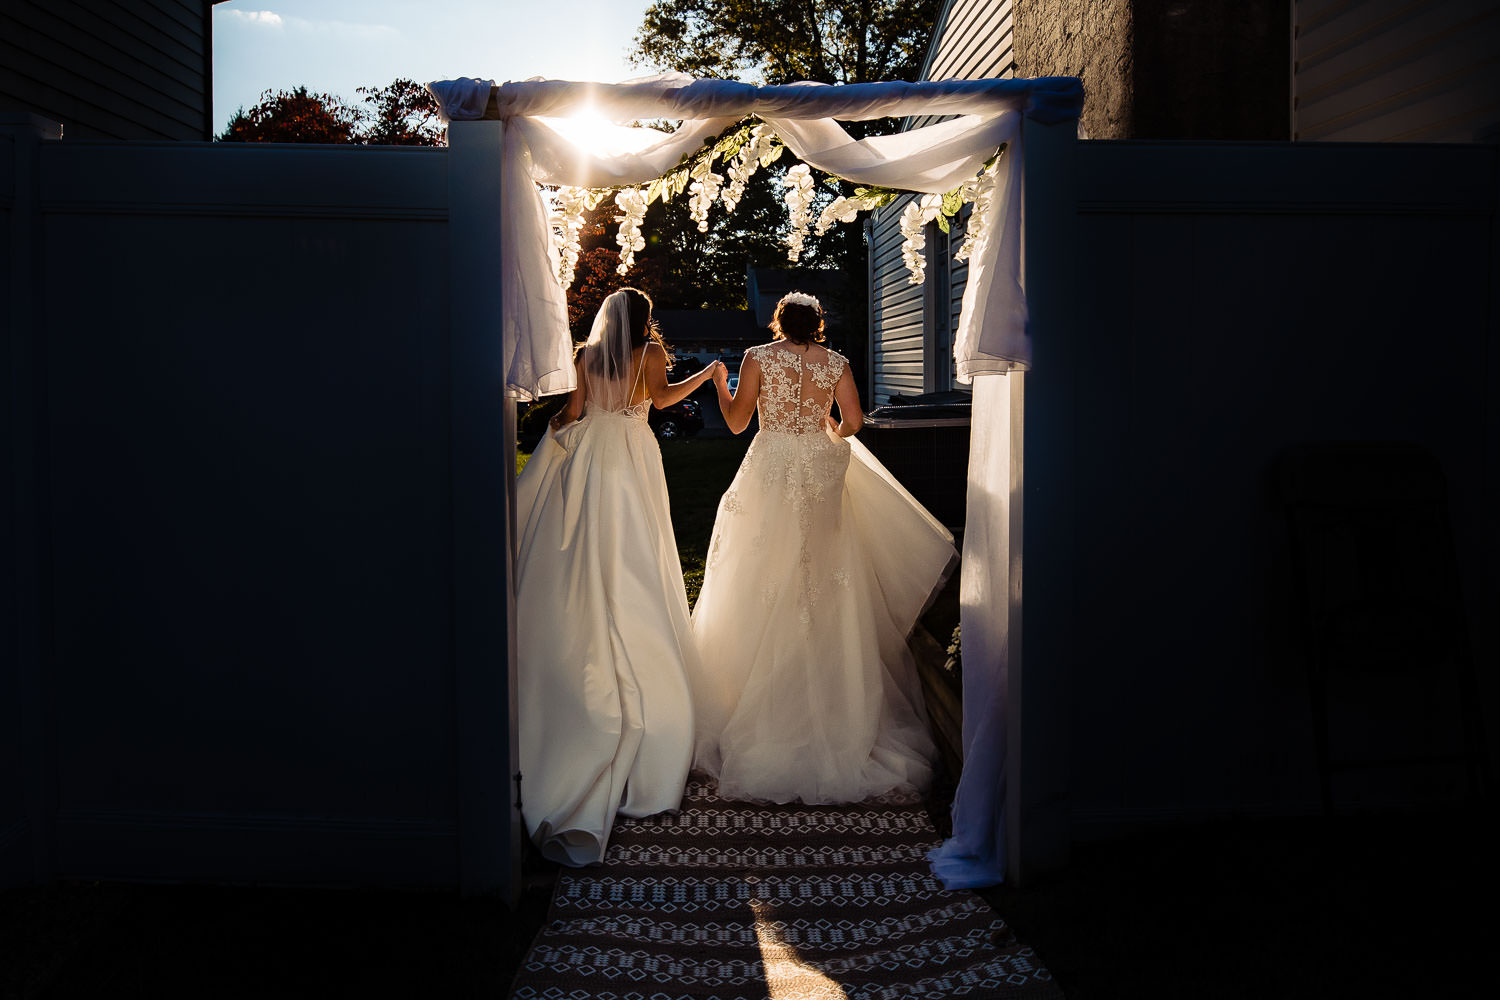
(799, 198)
(914, 232)
(632, 202)
(981, 191)
(843, 209)
(567, 223)
(702, 192)
(756, 152)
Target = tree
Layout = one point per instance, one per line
(402, 113)
(706, 270)
(294, 116)
(781, 41)
(681, 268)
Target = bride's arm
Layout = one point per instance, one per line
(573, 408)
(851, 416)
(664, 393)
(738, 409)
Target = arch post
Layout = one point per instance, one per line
(482, 461)
(1039, 660)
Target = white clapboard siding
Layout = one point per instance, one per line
(898, 315)
(1395, 70)
(974, 40)
(109, 70)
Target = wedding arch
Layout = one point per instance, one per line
(566, 135)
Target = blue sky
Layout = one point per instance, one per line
(335, 46)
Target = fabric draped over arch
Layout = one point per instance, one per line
(560, 132)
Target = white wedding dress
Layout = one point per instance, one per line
(819, 566)
(604, 636)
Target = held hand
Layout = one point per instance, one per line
(721, 374)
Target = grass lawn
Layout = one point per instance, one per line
(699, 470)
(698, 473)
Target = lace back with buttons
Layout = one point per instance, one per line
(796, 390)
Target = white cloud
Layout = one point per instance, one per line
(268, 18)
(327, 29)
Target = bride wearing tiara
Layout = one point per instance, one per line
(817, 570)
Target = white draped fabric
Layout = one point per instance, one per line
(975, 854)
(559, 132)
(550, 139)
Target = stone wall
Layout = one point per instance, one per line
(1090, 39)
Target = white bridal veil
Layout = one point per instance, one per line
(607, 370)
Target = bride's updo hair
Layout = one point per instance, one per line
(798, 318)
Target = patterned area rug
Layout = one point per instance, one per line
(729, 900)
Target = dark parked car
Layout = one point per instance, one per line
(679, 420)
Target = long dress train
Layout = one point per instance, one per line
(604, 635)
(819, 566)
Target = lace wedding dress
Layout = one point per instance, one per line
(819, 566)
(604, 636)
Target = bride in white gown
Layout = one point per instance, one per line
(819, 566)
(604, 636)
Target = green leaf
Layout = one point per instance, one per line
(771, 155)
(653, 192)
(942, 221)
(953, 201)
(733, 140)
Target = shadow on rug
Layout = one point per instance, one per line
(730, 900)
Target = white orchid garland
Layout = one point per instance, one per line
(752, 147)
(632, 202)
(843, 209)
(759, 150)
(703, 191)
(981, 191)
(914, 221)
(567, 224)
(799, 199)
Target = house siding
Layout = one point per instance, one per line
(896, 357)
(110, 70)
(975, 41)
(1396, 70)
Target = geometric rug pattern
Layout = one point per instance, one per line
(731, 900)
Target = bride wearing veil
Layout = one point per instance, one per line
(604, 635)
